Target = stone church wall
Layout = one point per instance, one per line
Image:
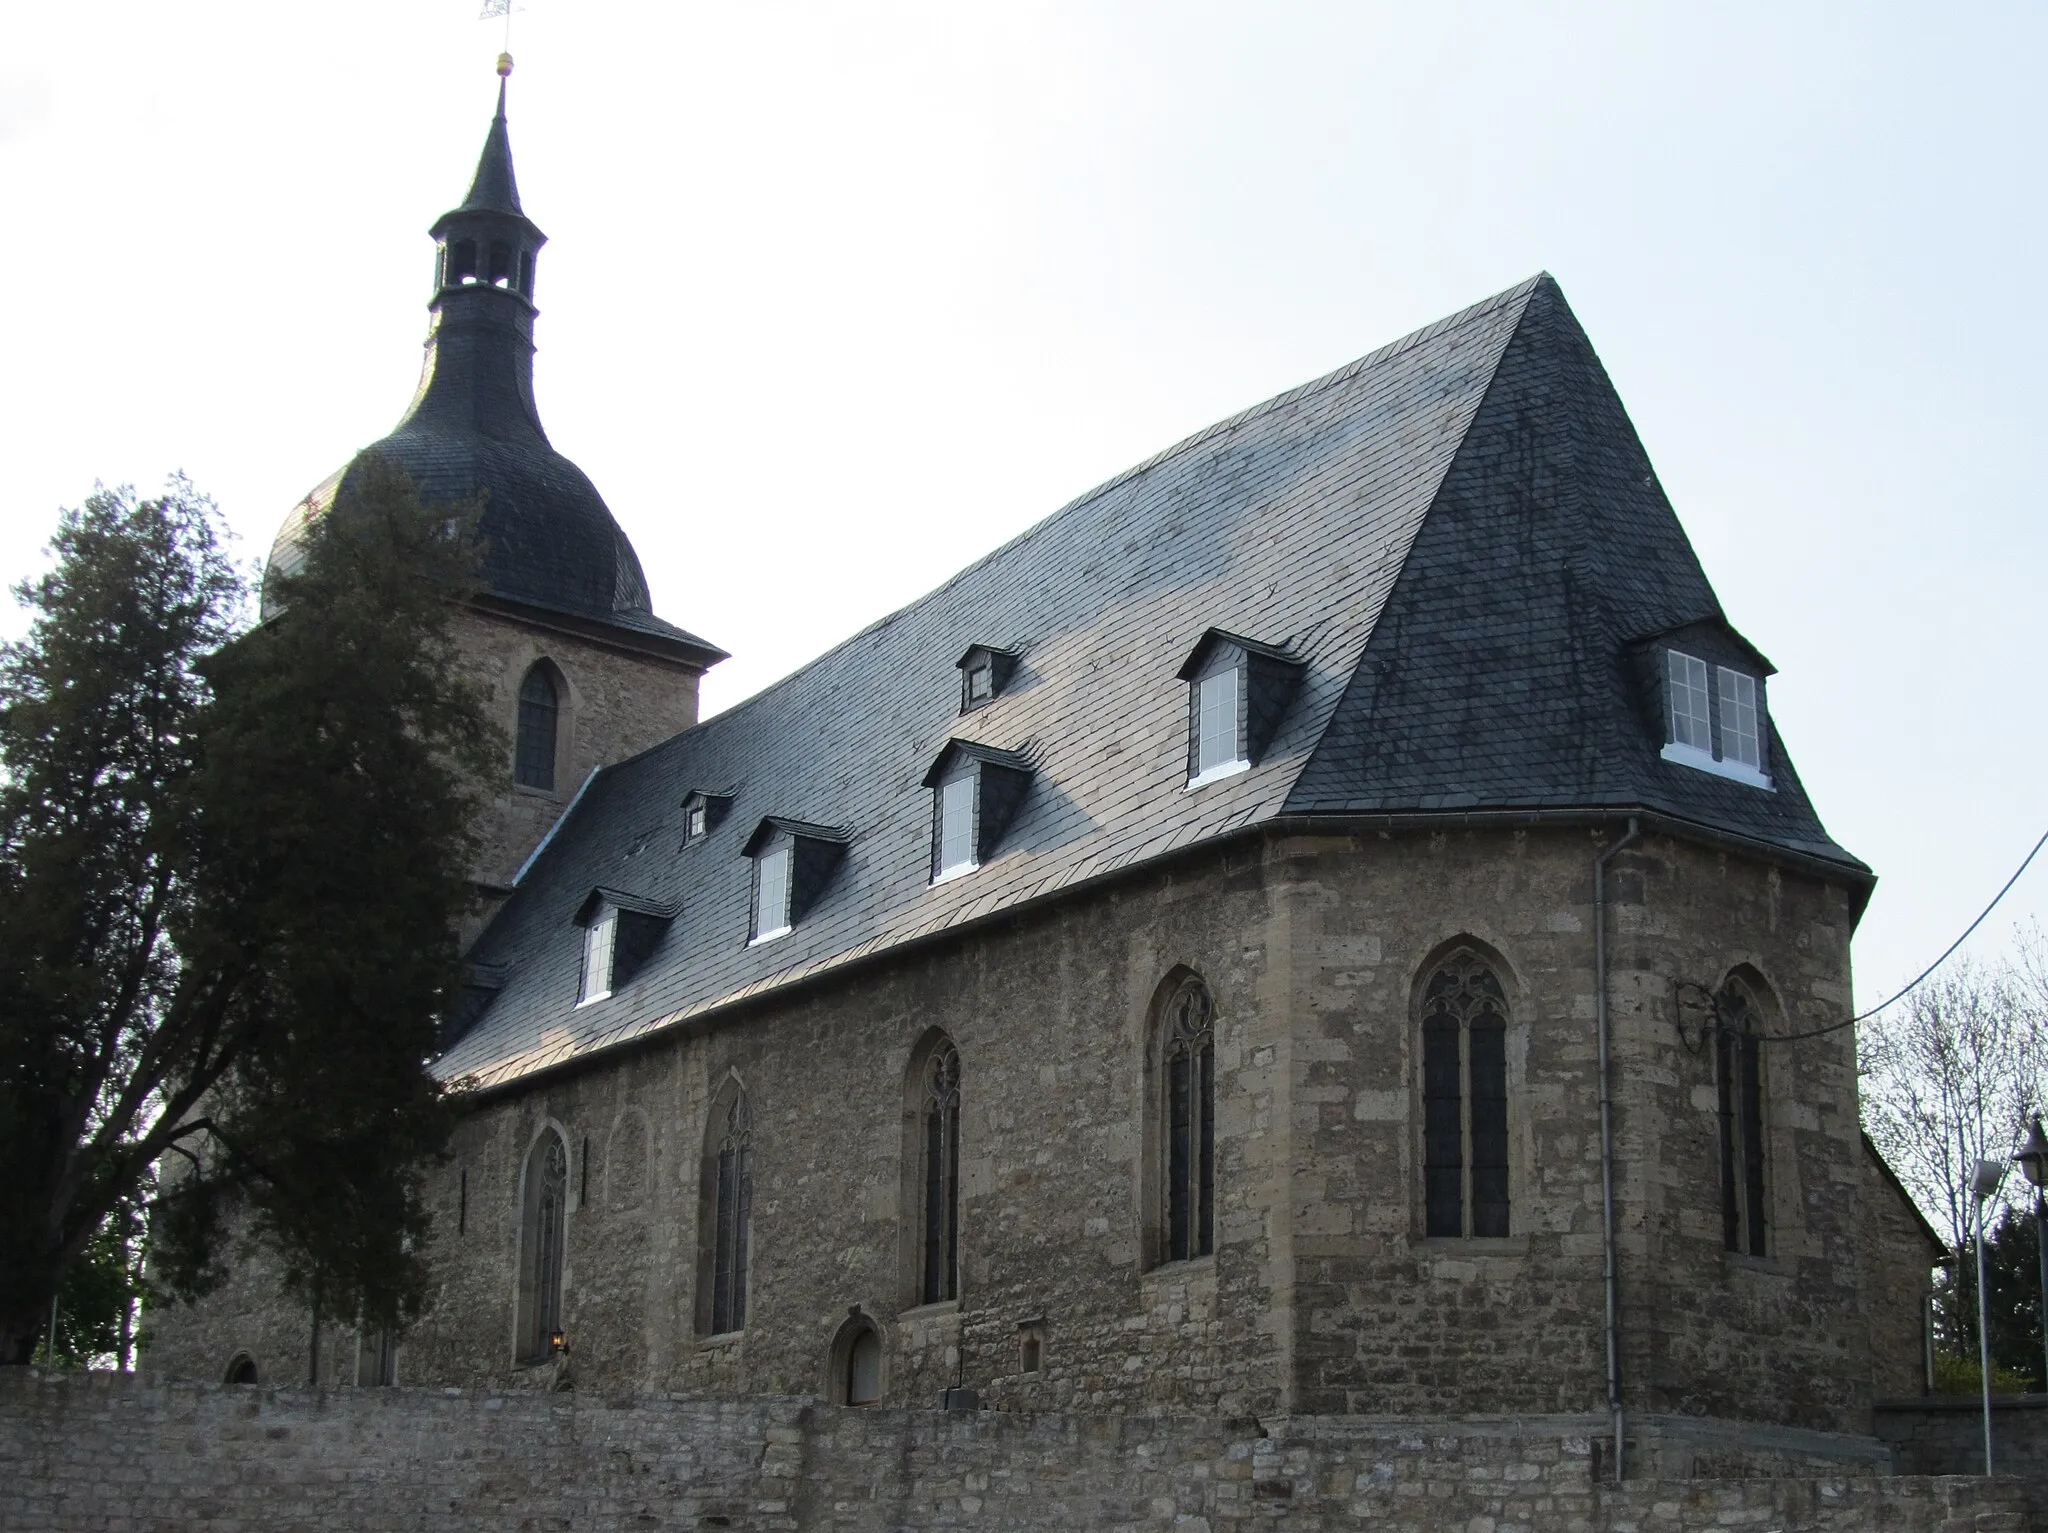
(1323, 1296)
(615, 703)
(88, 1454)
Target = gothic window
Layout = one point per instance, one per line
(732, 1208)
(241, 1369)
(533, 763)
(543, 1231)
(1189, 1080)
(940, 1125)
(1465, 1100)
(1738, 1076)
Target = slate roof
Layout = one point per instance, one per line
(1459, 535)
(549, 541)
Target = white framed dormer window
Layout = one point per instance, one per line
(1219, 737)
(696, 821)
(600, 943)
(956, 828)
(771, 894)
(1714, 724)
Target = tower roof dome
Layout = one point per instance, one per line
(472, 430)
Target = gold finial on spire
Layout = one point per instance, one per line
(504, 65)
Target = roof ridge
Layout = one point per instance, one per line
(1520, 292)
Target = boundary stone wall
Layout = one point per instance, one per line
(113, 1452)
(1944, 1434)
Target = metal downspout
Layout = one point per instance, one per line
(1607, 1231)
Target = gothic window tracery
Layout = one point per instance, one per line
(732, 1214)
(543, 1238)
(1465, 1100)
(941, 1139)
(1189, 1080)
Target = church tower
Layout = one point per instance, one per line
(580, 670)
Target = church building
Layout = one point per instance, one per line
(1326, 923)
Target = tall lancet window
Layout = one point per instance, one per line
(543, 1230)
(1739, 1086)
(1465, 1099)
(733, 1208)
(1190, 1082)
(533, 763)
(941, 1175)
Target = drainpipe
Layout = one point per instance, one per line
(1607, 1232)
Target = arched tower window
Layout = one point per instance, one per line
(543, 1229)
(729, 1200)
(461, 266)
(533, 762)
(1188, 1091)
(1465, 1099)
(1739, 1101)
(940, 1138)
(241, 1370)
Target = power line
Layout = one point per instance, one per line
(1914, 984)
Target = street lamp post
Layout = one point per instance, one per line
(2033, 1159)
(1983, 1185)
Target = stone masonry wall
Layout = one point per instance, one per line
(616, 703)
(1323, 1296)
(90, 1454)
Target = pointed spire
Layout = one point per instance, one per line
(494, 190)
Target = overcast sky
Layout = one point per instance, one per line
(840, 295)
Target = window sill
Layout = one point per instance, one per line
(1187, 1266)
(938, 1310)
(780, 931)
(1217, 774)
(1473, 1245)
(592, 1000)
(1742, 1261)
(528, 790)
(1700, 761)
(721, 1339)
(961, 870)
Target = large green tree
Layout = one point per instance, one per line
(231, 871)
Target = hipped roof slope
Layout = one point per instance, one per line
(1458, 534)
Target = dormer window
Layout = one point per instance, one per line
(956, 827)
(793, 860)
(976, 792)
(1238, 692)
(702, 812)
(620, 933)
(984, 671)
(1219, 731)
(1713, 718)
(600, 942)
(771, 894)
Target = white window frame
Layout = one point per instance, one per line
(982, 671)
(783, 860)
(1725, 702)
(600, 952)
(696, 821)
(957, 816)
(1213, 708)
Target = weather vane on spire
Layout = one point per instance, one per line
(491, 11)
